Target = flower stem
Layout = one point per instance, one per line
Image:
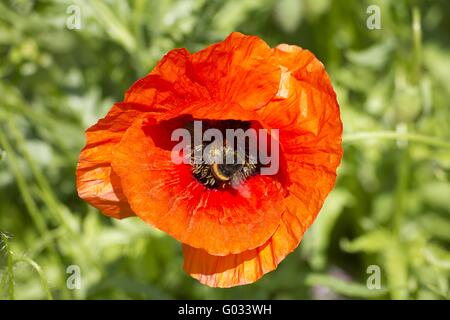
(393, 135)
(23, 186)
(41, 274)
(9, 274)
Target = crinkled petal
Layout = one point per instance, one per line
(241, 69)
(306, 111)
(97, 183)
(248, 267)
(168, 86)
(230, 238)
(167, 196)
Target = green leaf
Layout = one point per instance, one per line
(317, 239)
(346, 288)
(437, 195)
(435, 225)
(437, 256)
(289, 14)
(375, 56)
(371, 242)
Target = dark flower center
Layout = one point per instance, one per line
(236, 162)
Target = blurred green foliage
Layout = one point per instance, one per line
(390, 207)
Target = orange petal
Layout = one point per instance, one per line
(167, 196)
(96, 182)
(247, 267)
(306, 111)
(168, 86)
(210, 110)
(305, 100)
(241, 69)
(309, 120)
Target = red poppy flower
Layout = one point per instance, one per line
(231, 235)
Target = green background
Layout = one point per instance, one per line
(391, 204)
